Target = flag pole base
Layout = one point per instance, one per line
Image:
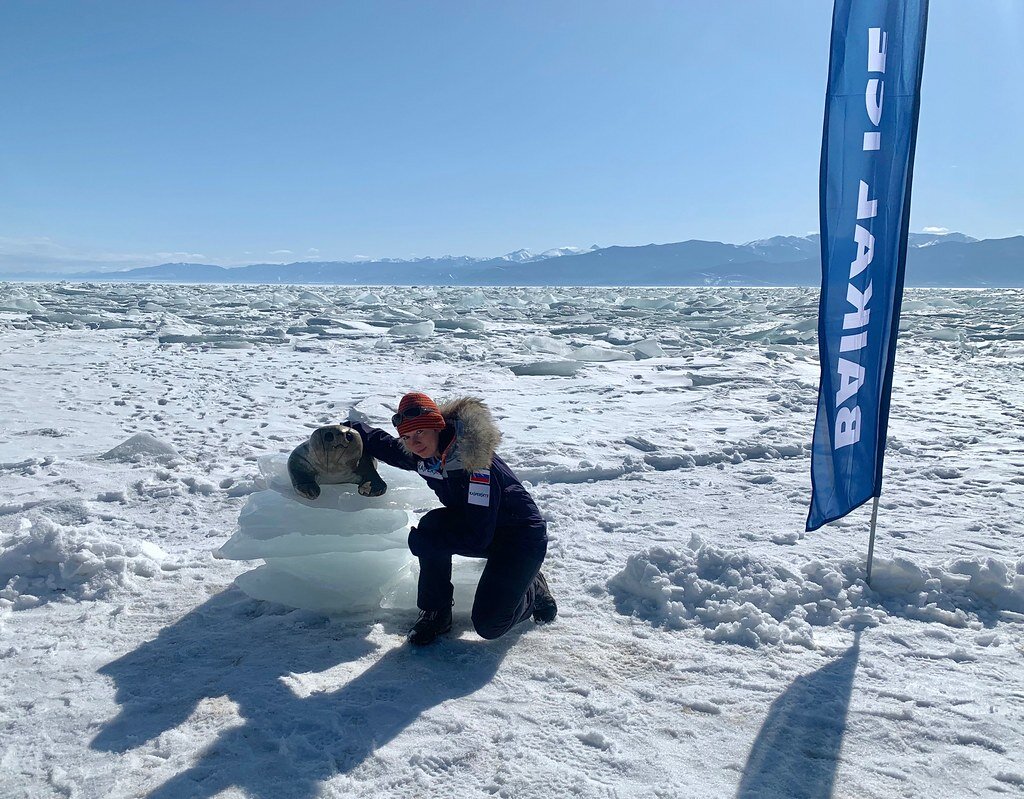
(871, 541)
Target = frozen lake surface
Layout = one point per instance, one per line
(704, 647)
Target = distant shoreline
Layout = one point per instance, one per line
(369, 286)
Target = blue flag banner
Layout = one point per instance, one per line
(867, 156)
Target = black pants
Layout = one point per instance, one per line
(504, 595)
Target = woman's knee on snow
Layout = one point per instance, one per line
(491, 625)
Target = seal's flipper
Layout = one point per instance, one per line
(308, 490)
(371, 489)
(301, 472)
(369, 477)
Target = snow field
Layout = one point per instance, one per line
(705, 645)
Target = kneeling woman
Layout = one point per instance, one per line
(487, 514)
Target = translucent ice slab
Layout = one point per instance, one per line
(339, 553)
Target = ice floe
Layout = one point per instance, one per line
(546, 368)
(414, 330)
(598, 354)
(139, 446)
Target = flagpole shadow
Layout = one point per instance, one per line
(796, 753)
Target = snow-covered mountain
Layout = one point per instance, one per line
(519, 256)
(787, 248)
(929, 239)
(934, 259)
(528, 256)
(560, 251)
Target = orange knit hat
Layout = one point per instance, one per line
(417, 411)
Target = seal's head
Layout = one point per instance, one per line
(334, 447)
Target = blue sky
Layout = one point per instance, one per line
(236, 132)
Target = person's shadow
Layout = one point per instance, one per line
(796, 753)
(287, 744)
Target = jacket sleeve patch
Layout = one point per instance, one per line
(480, 488)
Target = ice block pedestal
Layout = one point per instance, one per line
(339, 553)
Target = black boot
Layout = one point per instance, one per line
(430, 624)
(544, 607)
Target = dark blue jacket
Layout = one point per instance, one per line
(491, 504)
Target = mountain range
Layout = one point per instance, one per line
(933, 259)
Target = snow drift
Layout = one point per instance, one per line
(744, 600)
(44, 561)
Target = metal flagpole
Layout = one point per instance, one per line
(871, 542)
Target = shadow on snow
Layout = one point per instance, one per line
(796, 753)
(287, 745)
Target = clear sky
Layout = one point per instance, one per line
(133, 133)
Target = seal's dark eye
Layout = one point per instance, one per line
(348, 436)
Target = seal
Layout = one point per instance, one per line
(333, 454)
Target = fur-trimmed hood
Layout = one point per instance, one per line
(476, 434)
